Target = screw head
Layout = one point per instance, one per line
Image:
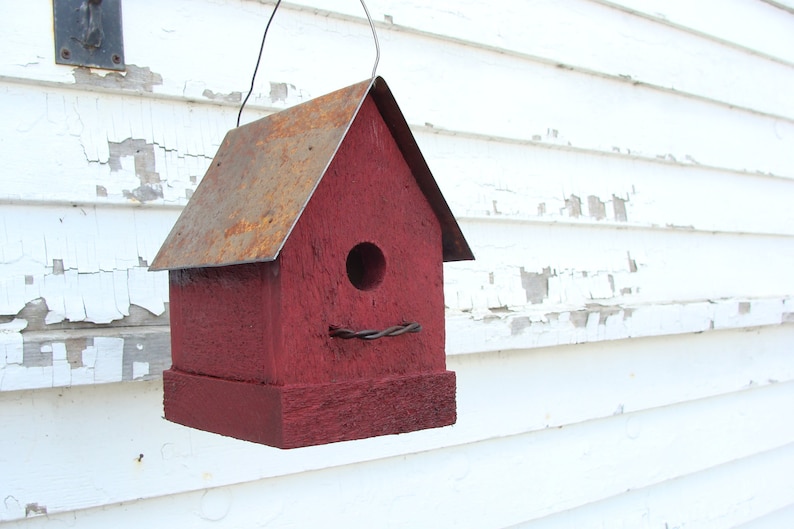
(66, 53)
(116, 58)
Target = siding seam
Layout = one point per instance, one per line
(548, 61)
(454, 445)
(781, 448)
(778, 5)
(429, 129)
(462, 218)
(701, 34)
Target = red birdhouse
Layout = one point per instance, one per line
(313, 228)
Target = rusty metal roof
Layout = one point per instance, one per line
(265, 173)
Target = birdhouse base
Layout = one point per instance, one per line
(303, 415)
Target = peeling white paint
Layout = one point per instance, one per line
(140, 369)
(101, 363)
(11, 342)
(85, 264)
(503, 329)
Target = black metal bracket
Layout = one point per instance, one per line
(89, 33)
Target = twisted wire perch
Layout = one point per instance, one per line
(371, 334)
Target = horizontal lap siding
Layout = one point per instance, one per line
(621, 170)
(556, 445)
(530, 421)
(726, 495)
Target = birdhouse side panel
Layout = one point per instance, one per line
(365, 254)
(225, 320)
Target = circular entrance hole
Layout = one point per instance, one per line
(366, 266)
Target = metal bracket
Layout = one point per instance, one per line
(89, 33)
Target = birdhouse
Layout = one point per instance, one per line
(306, 280)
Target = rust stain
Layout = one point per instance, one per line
(243, 226)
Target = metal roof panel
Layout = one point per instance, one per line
(265, 172)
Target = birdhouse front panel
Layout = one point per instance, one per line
(323, 225)
(365, 254)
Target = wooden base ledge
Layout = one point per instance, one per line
(306, 415)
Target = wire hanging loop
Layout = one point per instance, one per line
(262, 47)
(370, 334)
(375, 38)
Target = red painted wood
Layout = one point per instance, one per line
(368, 194)
(304, 415)
(259, 332)
(225, 321)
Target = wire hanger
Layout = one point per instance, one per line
(262, 47)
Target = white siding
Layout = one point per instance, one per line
(622, 171)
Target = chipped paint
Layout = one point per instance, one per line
(472, 332)
(536, 285)
(519, 325)
(68, 265)
(286, 94)
(578, 318)
(136, 78)
(619, 208)
(34, 509)
(81, 130)
(37, 360)
(143, 157)
(232, 97)
(632, 263)
(614, 208)
(596, 207)
(573, 206)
